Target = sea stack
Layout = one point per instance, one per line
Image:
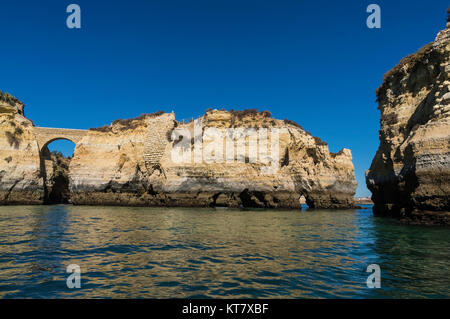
(410, 175)
(131, 163)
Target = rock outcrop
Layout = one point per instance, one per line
(136, 162)
(56, 177)
(131, 163)
(410, 174)
(20, 171)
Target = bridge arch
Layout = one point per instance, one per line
(46, 135)
(56, 181)
(43, 147)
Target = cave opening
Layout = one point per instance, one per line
(56, 156)
(303, 202)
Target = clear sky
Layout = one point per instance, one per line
(314, 62)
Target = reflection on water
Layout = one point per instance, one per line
(203, 253)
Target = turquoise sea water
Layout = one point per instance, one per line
(217, 253)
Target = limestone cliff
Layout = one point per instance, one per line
(134, 162)
(410, 174)
(131, 163)
(20, 171)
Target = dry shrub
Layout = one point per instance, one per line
(286, 121)
(104, 129)
(8, 98)
(127, 124)
(319, 141)
(249, 112)
(410, 60)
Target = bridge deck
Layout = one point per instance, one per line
(46, 135)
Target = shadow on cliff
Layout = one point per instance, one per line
(55, 172)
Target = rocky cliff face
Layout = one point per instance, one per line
(20, 172)
(132, 163)
(410, 174)
(234, 159)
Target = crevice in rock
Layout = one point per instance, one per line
(151, 191)
(60, 190)
(285, 159)
(252, 199)
(214, 200)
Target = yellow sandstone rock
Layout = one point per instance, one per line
(410, 174)
(116, 166)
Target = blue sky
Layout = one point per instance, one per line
(314, 62)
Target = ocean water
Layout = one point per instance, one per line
(128, 252)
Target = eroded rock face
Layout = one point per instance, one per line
(410, 174)
(20, 174)
(131, 163)
(56, 177)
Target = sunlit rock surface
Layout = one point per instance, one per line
(20, 172)
(130, 163)
(410, 174)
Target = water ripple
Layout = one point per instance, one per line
(207, 253)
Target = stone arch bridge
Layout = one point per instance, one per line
(46, 135)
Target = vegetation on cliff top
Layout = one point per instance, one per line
(237, 116)
(249, 112)
(127, 123)
(318, 140)
(286, 121)
(410, 60)
(8, 98)
(241, 114)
